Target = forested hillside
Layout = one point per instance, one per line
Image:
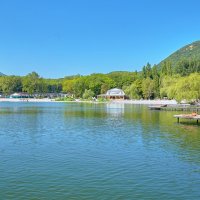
(185, 60)
(190, 51)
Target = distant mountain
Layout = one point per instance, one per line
(188, 52)
(1, 74)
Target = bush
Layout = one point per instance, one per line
(65, 99)
(88, 94)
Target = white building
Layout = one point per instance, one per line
(114, 93)
(19, 95)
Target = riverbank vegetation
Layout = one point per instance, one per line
(152, 82)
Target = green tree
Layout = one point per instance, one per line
(166, 68)
(68, 85)
(188, 88)
(79, 87)
(148, 88)
(53, 85)
(88, 94)
(156, 81)
(10, 84)
(167, 86)
(104, 88)
(96, 82)
(148, 71)
(31, 83)
(135, 90)
(42, 86)
(122, 78)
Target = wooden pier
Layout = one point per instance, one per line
(193, 116)
(178, 107)
(157, 107)
(181, 108)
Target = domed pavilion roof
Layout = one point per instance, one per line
(115, 92)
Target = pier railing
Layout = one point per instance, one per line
(189, 108)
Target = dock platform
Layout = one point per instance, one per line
(157, 107)
(187, 116)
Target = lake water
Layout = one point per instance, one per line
(96, 151)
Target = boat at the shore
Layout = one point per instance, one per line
(157, 107)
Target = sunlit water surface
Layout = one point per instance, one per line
(96, 151)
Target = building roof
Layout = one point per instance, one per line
(115, 92)
(19, 94)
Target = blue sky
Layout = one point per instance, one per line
(57, 38)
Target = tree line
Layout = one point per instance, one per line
(31, 83)
(158, 81)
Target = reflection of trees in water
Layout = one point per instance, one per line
(101, 120)
(20, 110)
(94, 110)
(160, 128)
(115, 109)
(130, 123)
(85, 114)
(21, 119)
(152, 127)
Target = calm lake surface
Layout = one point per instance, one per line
(96, 151)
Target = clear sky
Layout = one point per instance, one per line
(57, 38)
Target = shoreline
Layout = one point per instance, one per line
(10, 100)
(136, 102)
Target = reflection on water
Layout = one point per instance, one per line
(115, 109)
(96, 151)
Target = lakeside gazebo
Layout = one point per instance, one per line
(19, 95)
(114, 93)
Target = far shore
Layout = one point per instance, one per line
(142, 102)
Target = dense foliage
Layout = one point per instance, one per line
(150, 83)
(31, 83)
(189, 52)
